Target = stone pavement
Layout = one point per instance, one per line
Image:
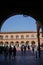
(22, 59)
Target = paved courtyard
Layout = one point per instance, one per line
(22, 59)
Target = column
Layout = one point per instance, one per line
(38, 36)
(42, 32)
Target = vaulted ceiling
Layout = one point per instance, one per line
(28, 8)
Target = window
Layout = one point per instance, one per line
(27, 36)
(32, 36)
(11, 36)
(22, 36)
(17, 36)
(6, 36)
(1, 37)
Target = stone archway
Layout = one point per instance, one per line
(12, 43)
(6, 43)
(1, 43)
(25, 8)
(22, 43)
(27, 43)
(17, 44)
(32, 42)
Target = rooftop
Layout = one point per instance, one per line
(18, 32)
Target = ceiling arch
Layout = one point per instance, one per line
(28, 8)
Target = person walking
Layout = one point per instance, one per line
(10, 52)
(6, 52)
(24, 49)
(28, 47)
(32, 48)
(14, 51)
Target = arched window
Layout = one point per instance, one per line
(6, 37)
(1, 37)
(22, 36)
(17, 36)
(12, 36)
(27, 36)
(32, 36)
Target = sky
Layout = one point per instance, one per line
(19, 23)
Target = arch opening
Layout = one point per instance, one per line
(18, 22)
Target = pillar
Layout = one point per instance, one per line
(42, 32)
(38, 36)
